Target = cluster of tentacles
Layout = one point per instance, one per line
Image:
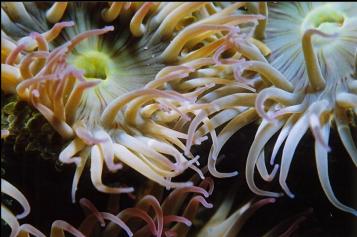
(309, 86)
(223, 223)
(169, 217)
(146, 82)
(164, 214)
(321, 65)
(134, 128)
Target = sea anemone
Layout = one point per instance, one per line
(226, 221)
(308, 82)
(314, 46)
(152, 217)
(6, 214)
(108, 88)
(223, 225)
(57, 228)
(172, 215)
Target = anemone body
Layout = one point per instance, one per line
(99, 87)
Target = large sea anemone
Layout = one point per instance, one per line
(308, 81)
(76, 72)
(314, 45)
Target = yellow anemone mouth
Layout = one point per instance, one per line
(324, 16)
(96, 65)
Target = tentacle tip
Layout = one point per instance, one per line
(66, 23)
(209, 205)
(271, 200)
(71, 23)
(260, 17)
(130, 190)
(35, 93)
(109, 28)
(115, 167)
(334, 35)
(22, 215)
(33, 35)
(189, 184)
(234, 173)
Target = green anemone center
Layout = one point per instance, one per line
(324, 18)
(320, 19)
(96, 65)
